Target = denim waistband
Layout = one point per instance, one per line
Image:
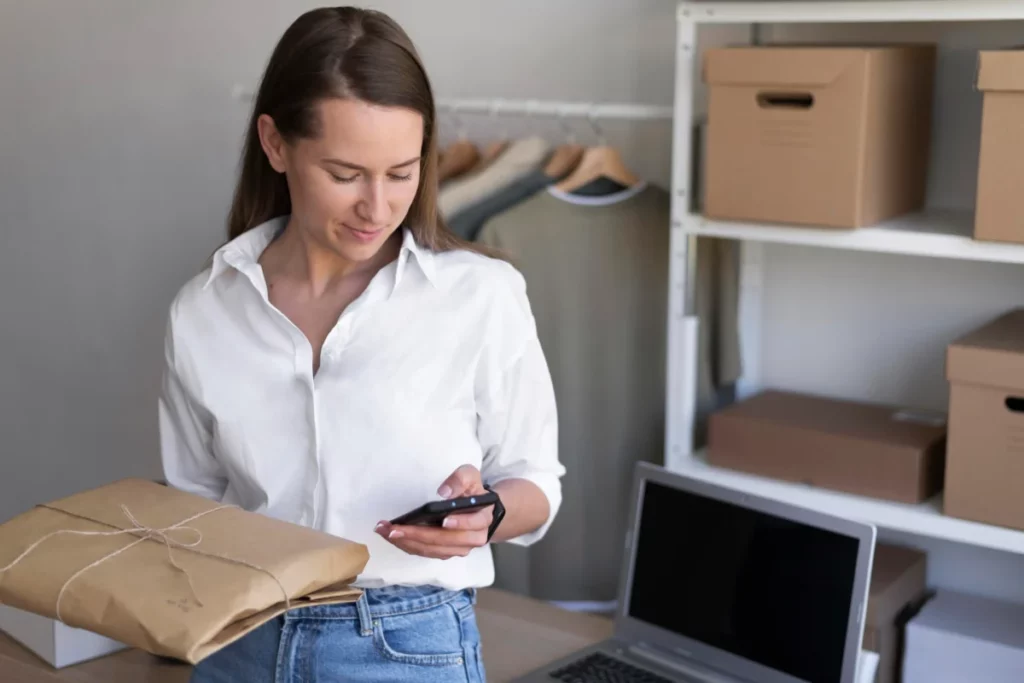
(383, 602)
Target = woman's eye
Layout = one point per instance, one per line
(400, 178)
(343, 179)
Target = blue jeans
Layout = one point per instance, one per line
(422, 634)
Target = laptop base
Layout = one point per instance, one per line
(609, 660)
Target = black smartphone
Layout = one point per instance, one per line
(433, 514)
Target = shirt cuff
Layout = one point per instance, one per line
(551, 487)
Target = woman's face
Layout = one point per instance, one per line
(353, 185)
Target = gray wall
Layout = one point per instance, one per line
(118, 141)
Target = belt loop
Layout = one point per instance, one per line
(365, 618)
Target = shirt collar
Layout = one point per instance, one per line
(245, 250)
(424, 258)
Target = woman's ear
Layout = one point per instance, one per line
(272, 142)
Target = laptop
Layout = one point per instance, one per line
(720, 586)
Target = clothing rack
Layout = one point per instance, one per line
(532, 107)
(591, 110)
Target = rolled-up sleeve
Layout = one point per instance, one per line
(185, 434)
(518, 418)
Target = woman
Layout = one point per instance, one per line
(345, 359)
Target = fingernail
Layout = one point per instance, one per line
(380, 525)
(445, 491)
(395, 534)
(449, 523)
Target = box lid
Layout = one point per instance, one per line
(887, 425)
(1001, 70)
(790, 66)
(992, 355)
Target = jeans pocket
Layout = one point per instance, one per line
(432, 637)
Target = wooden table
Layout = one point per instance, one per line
(518, 635)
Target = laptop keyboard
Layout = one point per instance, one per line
(599, 668)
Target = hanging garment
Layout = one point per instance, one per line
(599, 187)
(716, 303)
(520, 159)
(597, 279)
(467, 223)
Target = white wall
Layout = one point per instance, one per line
(118, 142)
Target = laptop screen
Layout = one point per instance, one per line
(770, 590)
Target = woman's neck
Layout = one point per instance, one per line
(298, 257)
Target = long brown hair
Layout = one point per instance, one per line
(342, 52)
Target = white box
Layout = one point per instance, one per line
(958, 637)
(56, 643)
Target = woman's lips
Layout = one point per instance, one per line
(363, 235)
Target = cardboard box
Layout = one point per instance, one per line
(999, 214)
(867, 449)
(985, 465)
(899, 585)
(823, 136)
(961, 638)
(55, 643)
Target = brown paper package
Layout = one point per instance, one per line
(241, 569)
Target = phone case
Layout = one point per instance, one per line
(433, 513)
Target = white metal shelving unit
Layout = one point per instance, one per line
(935, 233)
(942, 234)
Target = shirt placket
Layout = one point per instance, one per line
(335, 343)
(330, 356)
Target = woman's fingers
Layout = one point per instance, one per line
(433, 541)
(479, 520)
(465, 481)
(436, 552)
(440, 537)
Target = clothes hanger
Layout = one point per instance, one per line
(566, 156)
(563, 161)
(459, 157)
(495, 149)
(600, 161)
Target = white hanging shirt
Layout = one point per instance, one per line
(435, 365)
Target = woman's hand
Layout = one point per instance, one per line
(461, 532)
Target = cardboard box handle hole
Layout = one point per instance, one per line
(1014, 404)
(785, 100)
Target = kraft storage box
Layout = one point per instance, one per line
(898, 587)
(985, 466)
(871, 450)
(962, 638)
(999, 214)
(821, 136)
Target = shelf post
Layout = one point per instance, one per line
(682, 337)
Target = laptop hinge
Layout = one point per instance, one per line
(644, 651)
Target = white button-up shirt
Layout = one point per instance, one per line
(435, 365)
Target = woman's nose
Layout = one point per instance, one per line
(375, 207)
